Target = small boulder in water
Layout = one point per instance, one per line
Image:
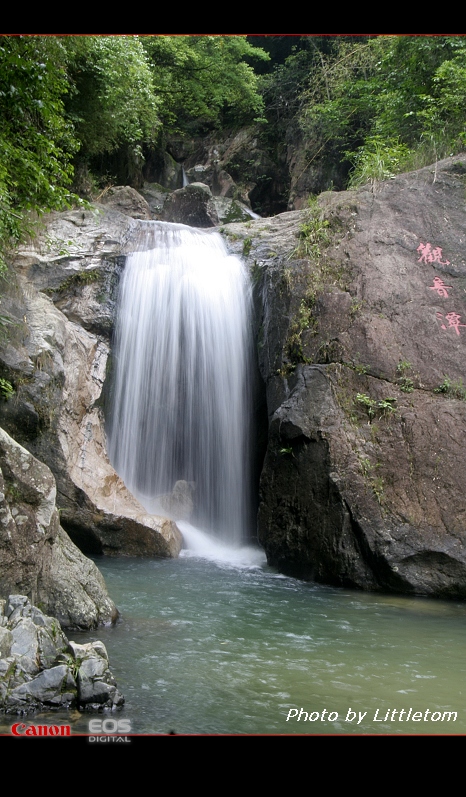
(192, 205)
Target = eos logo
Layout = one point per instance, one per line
(110, 726)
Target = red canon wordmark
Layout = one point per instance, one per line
(20, 729)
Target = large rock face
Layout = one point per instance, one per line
(37, 558)
(361, 323)
(62, 302)
(361, 315)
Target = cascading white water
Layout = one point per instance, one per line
(181, 400)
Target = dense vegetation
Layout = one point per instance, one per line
(374, 105)
(66, 101)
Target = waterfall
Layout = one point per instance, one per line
(182, 374)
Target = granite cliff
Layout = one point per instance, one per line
(361, 325)
(360, 319)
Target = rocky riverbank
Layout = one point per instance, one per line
(41, 670)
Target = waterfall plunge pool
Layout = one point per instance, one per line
(211, 646)
(216, 642)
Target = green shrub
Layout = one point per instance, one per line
(377, 159)
(453, 389)
(6, 389)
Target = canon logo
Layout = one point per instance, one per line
(20, 729)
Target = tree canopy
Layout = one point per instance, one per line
(37, 140)
(65, 99)
(383, 100)
(373, 103)
(205, 81)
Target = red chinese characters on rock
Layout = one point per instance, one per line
(431, 254)
(440, 287)
(453, 321)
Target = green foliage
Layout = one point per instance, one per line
(205, 81)
(65, 101)
(338, 105)
(6, 389)
(373, 407)
(413, 99)
(452, 389)
(379, 102)
(113, 101)
(36, 140)
(377, 159)
(299, 80)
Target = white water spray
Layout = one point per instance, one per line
(181, 403)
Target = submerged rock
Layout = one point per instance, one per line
(179, 503)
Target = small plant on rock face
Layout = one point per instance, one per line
(304, 320)
(5, 323)
(284, 451)
(377, 485)
(359, 368)
(365, 466)
(453, 389)
(405, 383)
(386, 406)
(444, 387)
(356, 307)
(374, 407)
(6, 389)
(313, 233)
(247, 246)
